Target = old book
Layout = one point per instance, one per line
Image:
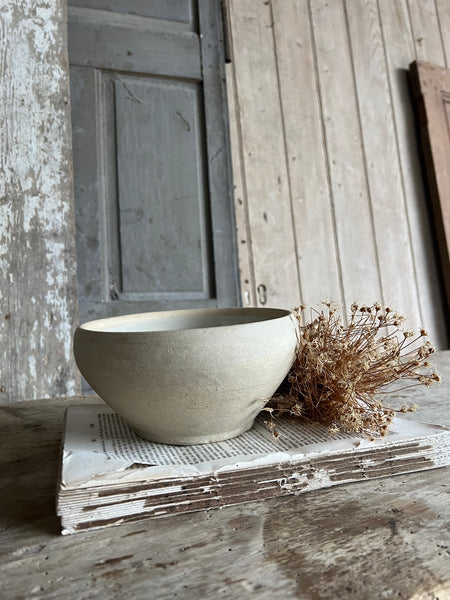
(110, 476)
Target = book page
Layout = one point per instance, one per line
(119, 440)
(98, 441)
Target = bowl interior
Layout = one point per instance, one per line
(184, 319)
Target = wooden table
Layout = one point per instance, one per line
(384, 538)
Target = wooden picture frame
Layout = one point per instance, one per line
(431, 88)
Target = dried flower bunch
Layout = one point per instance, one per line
(341, 372)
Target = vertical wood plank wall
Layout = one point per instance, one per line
(329, 193)
(38, 289)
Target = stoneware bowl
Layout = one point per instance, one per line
(188, 376)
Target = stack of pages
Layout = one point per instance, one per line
(110, 476)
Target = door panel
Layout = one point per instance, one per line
(153, 199)
(171, 10)
(161, 192)
(87, 184)
(103, 41)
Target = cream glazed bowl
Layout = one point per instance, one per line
(188, 376)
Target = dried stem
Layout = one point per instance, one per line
(340, 372)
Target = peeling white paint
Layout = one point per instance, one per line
(32, 365)
(37, 246)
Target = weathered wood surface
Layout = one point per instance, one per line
(400, 45)
(246, 269)
(103, 41)
(383, 173)
(223, 237)
(267, 195)
(349, 188)
(38, 302)
(306, 153)
(432, 90)
(344, 124)
(443, 11)
(387, 538)
(153, 194)
(170, 10)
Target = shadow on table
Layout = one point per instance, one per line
(29, 458)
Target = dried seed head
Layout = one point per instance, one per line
(339, 371)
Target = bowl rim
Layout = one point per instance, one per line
(103, 325)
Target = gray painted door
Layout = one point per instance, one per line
(154, 213)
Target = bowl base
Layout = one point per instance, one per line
(191, 440)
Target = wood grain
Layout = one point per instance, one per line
(443, 14)
(349, 186)
(426, 31)
(163, 210)
(382, 538)
(155, 221)
(432, 91)
(313, 215)
(38, 301)
(243, 229)
(362, 231)
(263, 154)
(399, 48)
(387, 199)
(218, 153)
(94, 38)
(171, 10)
(88, 183)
